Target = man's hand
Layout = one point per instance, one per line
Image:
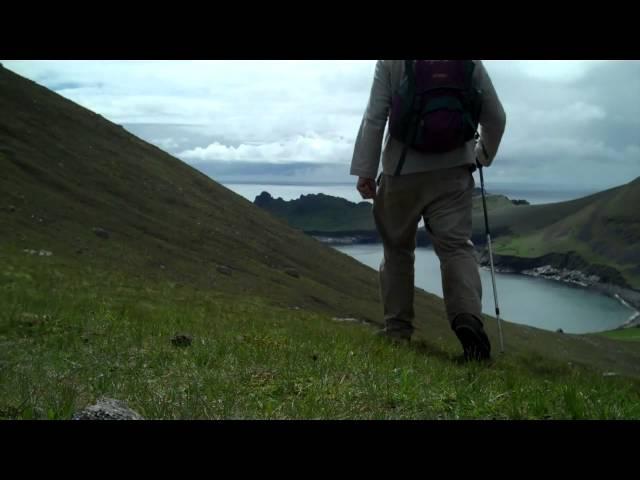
(366, 187)
(482, 157)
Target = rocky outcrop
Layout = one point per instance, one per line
(292, 272)
(575, 277)
(569, 267)
(346, 238)
(181, 340)
(107, 409)
(264, 200)
(101, 232)
(224, 269)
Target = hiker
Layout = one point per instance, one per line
(430, 152)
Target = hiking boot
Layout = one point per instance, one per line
(472, 336)
(394, 331)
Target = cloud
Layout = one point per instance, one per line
(298, 119)
(557, 71)
(70, 85)
(276, 173)
(168, 144)
(302, 148)
(275, 98)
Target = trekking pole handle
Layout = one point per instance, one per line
(484, 200)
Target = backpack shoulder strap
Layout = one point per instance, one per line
(469, 68)
(410, 73)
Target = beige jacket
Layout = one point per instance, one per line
(368, 146)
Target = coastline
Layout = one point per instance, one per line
(628, 297)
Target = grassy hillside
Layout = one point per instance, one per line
(72, 334)
(630, 334)
(89, 312)
(602, 228)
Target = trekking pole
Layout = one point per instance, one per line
(493, 274)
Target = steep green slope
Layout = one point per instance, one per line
(602, 229)
(66, 171)
(100, 333)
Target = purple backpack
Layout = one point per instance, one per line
(436, 107)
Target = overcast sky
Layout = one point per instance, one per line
(569, 123)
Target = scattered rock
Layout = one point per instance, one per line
(559, 330)
(182, 340)
(107, 409)
(292, 272)
(162, 267)
(346, 319)
(224, 270)
(40, 253)
(101, 232)
(575, 277)
(609, 374)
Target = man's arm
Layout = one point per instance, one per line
(492, 119)
(368, 145)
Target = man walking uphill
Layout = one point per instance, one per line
(444, 115)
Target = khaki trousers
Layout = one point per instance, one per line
(443, 198)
